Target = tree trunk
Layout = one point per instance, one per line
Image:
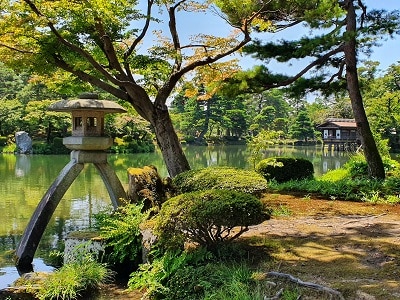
(169, 144)
(167, 139)
(374, 160)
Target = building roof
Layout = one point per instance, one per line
(339, 123)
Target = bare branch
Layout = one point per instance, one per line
(16, 49)
(307, 284)
(174, 33)
(108, 47)
(317, 62)
(132, 47)
(338, 74)
(143, 33)
(364, 12)
(89, 78)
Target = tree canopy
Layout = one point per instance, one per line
(342, 30)
(99, 42)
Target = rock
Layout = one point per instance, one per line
(364, 296)
(78, 243)
(24, 142)
(146, 185)
(25, 287)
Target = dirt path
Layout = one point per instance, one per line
(352, 247)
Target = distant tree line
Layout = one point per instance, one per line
(229, 116)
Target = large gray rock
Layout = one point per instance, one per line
(24, 142)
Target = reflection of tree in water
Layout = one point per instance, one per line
(211, 156)
(8, 242)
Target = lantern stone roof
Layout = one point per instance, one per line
(105, 106)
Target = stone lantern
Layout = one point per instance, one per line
(88, 145)
(87, 122)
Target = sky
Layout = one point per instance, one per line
(192, 23)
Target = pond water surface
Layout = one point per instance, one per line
(26, 178)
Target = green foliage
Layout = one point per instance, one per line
(11, 148)
(335, 175)
(197, 275)
(302, 127)
(358, 168)
(55, 147)
(281, 211)
(155, 276)
(262, 141)
(207, 218)
(351, 183)
(3, 141)
(73, 279)
(128, 145)
(220, 178)
(284, 169)
(121, 232)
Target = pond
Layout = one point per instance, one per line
(25, 179)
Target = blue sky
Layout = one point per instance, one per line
(192, 23)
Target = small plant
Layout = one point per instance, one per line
(281, 211)
(392, 199)
(307, 197)
(372, 197)
(73, 279)
(292, 294)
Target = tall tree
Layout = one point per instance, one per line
(344, 35)
(302, 127)
(99, 41)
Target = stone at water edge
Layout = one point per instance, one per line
(23, 142)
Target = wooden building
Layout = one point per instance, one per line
(340, 134)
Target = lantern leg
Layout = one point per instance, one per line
(43, 213)
(112, 183)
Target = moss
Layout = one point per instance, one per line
(220, 178)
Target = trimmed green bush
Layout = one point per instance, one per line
(284, 169)
(207, 218)
(220, 178)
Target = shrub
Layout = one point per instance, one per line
(128, 145)
(207, 218)
(122, 233)
(358, 168)
(41, 148)
(58, 147)
(284, 169)
(10, 148)
(220, 178)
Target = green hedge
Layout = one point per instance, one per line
(284, 169)
(207, 218)
(220, 178)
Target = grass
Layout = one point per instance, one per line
(83, 274)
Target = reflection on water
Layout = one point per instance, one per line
(9, 274)
(25, 179)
